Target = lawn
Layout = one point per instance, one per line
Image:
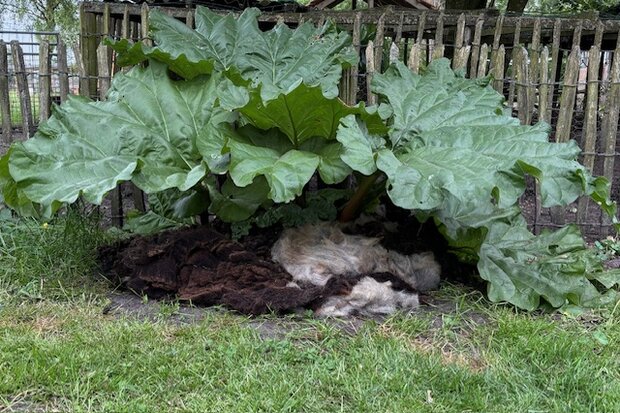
(62, 349)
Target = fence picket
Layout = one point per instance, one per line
(438, 46)
(371, 98)
(515, 47)
(520, 61)
(63, 71)
(534, 66)
(590, 124)
(565, 117)
(22, 88)
(498, 57)
(5, 105)
(357, 26)
(543, 92)
(475, 46)
(610, 131)
(379, 39)
(482, 63)
(553, 63)
(45, 80)
(414, 58)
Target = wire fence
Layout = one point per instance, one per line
(27, 67)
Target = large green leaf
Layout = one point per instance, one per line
(11, 195)
(231, 203)
(255, 152)
(218, 43)
(301, 114)
(439, 99)
(277, 60)
(146, 131)
(286, 173)
(522, 268)
(168, 209)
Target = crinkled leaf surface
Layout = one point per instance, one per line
(358, 145)
(146, 131)
(451, 139)
(277, 60)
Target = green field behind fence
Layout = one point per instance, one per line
(16, 108)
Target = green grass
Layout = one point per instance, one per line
(60, 352)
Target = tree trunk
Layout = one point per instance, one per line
(516, 5)
(465, 4)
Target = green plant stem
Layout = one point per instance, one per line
(349, 212)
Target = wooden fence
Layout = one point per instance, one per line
(564, 71)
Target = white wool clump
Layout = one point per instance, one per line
(314, 253)
(369, 297)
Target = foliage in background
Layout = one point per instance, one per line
(249, 117)
(566, 6)
(44, 15)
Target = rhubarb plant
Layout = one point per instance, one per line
(235, 120)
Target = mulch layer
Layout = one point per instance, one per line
(202, 266)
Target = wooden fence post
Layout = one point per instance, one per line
(522, 81)
(379, 39)
(567, 100)
(63, 71)
(498, 56)
(553, 65)
(482, 63)
(357, 27)
(497, 68)
(590, 125)
(475, 47)
(5, 106)
(22, 86)
(371, 98)
(438, 47)
(88, 53)
(45, 81)
(544, 114)
(515, 47)
(534, 66)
